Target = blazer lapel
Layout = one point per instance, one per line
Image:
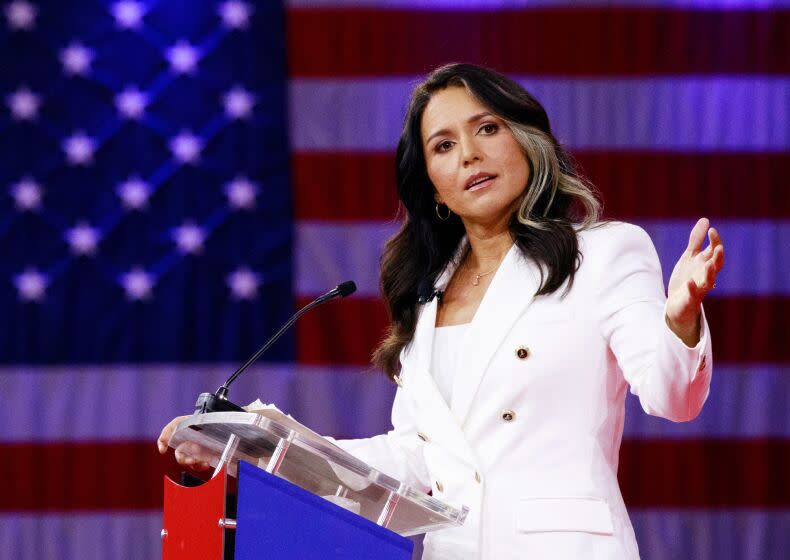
(425, 393)
(511, 290)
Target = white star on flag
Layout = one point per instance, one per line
(27, 194)
(82, 239)
(23, 104)
(235, 14)
(31, 285)
(137, 283)
(189, 238)
(241, 193)
(183, 57)
(134, 193)
(186, 147)
(243, 283)
(79, 148)
(76, 59)
(128, 14)
(21, 15)
(238, 103)
(131, 103)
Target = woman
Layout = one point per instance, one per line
(517, 322)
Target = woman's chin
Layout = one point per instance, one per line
(495, 215)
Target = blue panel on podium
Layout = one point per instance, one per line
(278, 520)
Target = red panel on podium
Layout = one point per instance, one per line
(191, 520)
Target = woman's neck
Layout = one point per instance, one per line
(487, 248)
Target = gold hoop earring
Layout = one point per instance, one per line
(438, 215)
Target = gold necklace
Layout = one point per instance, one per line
(476, 281)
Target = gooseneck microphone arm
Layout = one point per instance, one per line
(218, 401)
(340, 291)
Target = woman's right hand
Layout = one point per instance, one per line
(188, 454)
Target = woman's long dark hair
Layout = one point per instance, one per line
(556, 202)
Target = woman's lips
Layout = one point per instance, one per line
(482, 185)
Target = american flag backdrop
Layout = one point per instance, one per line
(176, 176)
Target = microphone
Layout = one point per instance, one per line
(218, 401)
(438, 294)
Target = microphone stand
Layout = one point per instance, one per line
(218, 401)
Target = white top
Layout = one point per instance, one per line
(447, 343)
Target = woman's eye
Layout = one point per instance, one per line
(444, 146)
(489, 128)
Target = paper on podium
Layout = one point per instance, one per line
(270, 411)
(273, 413)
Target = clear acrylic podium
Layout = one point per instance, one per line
(297, 496)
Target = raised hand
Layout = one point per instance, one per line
(692, 278)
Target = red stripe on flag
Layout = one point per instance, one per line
(678, 185)
(744, 330)
(83, 476)
(343, 186)
(750, 329)
(341, 332)
(577, 41)
(705, 473)
(128, 475)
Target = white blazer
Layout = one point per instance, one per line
(530, 441)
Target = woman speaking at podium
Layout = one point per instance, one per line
(518, 322)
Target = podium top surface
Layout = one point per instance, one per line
(275, 442)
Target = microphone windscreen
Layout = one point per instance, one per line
(346, 288)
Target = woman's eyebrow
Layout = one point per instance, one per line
(470, 120)
(478, 116)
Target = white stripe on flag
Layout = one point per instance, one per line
(757, 254)
(662, 534)
(83, 536)
(666, 534)
(88, 403)
(691, 114)
(329, 252)
(744, 402)
(128, 403)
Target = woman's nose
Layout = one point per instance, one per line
(470, 152)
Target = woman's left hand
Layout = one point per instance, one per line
(692, 278)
